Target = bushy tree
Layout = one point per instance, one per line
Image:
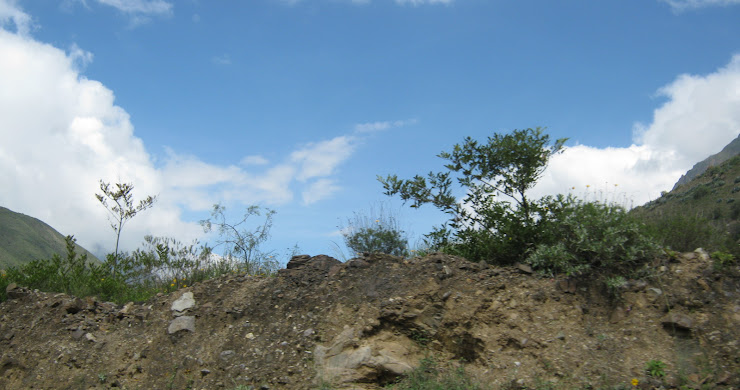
(496, 221)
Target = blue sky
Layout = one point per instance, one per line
(298, 105)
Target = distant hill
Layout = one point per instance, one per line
(732, 149)
(24, 238)
(703, 211)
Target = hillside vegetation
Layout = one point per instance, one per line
(24, 238)
(701, 213)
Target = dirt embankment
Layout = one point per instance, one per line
(363, 323)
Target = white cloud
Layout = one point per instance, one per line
(61, 133)
(681, 5)
(701, 116)
(140, 7)
(318, 190)
(320, 159)
(11, 13)
(224, 59)
(371, 127)
(254, 160)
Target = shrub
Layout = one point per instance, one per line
(583, 237)
(378, 232)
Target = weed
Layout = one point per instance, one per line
(655, 368)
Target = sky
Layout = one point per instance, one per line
(298, 105)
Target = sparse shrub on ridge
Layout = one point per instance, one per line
(376, 232)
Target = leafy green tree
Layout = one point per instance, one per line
(239, 242)
(120, 205)
(496, 221)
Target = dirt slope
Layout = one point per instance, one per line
(361, 324)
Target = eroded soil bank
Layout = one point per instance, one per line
(363, 323)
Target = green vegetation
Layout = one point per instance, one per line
(498, 223)
(701, 213)
(162, 265)
(482, 226)
(24, 238)
(240, 243)
(655, 368)
(121, 208)
(431, 375)
(377, 232)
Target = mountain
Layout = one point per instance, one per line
(703, 211)
(24, 238)
(732, 149)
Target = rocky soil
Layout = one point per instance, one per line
(362, 324)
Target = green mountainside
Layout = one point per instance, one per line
(701, 212)
(24, 239)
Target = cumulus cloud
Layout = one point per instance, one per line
(701, 116)
(62, 133)
(681, 5)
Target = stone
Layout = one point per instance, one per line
(13, 291)
(227, 355)
(297, 261)
(73, 306)
(185, 302)
(183, 323)
(677, 320)
(566, 286)
(524, 268)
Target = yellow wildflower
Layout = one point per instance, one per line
(184, 285)
(635, 381)
(172, 285)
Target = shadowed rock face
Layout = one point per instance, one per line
(367, 322)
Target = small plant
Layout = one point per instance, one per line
(722, 260)
(655, 368)
(102, 378)
(378, 232)
(241, 243)
(430, 376)
(122, 207)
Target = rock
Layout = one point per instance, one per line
(183, 323)
(524, 268)
(701, 254)
(677, 320)
(13, 291)
(185, 302)
(344, 361)
(566, 286)
(297, 261)
(90, 337)
(227, 355)
(73, 306)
